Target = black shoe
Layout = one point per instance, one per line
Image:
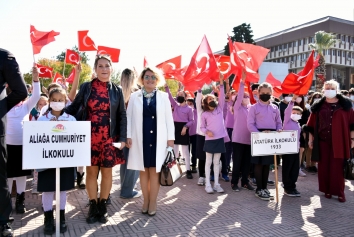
(6, 230)
(20, 203)
(49, 227)
(270, 182)
(314, 169)
(80, 180)
(93, 212)
(297, 193)
(194, 170)
(189, 174)
(63, 226)
(109, 202)
(271, 197)
(235, 187)
(248, 187)
(262, 195)
(289, 193)
(102, 211)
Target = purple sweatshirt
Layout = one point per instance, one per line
(290, 124)
(214, 120)
(241, 134)
(263, 116)
(183, 113)
(193, 127)
(229, 117)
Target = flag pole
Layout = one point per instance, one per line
(64, 65)
(34, 60)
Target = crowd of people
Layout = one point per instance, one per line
(208, 131)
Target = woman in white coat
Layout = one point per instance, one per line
(150, 131)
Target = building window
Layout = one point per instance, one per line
(299, 57)
(300, 41)
(338, 36)
(272, 49)
(295, 43)
(339, 53)
(333, 52)
(305, 40)
(290, 44)
(285, 60)
(343, 38)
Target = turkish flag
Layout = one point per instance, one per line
(71, 77)
(276, 84)
(224, 64)
(41, 38)
(44, 72)
(113, 52)
(85, 42)
(72, 57)
(57, 78)
(300, 83)
(202, 68)
(170, 66)
(146, 64)
(236, 67)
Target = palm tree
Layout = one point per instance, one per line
(323, 41)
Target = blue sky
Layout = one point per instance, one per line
(157, 29)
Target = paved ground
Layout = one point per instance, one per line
(186, 210)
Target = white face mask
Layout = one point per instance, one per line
(330, 93)
(352, 97)
(57, 106)
(298, 100)
(246, 101)
(288, 98)
(233, 98)
(295, 117)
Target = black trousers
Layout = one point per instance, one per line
(5, 199)
(241, 159)
(290, 170)
(201, 167)
(193, 143)
(261, 173)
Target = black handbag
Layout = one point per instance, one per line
(349, 168)
(170, 170)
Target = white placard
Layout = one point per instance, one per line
(271, 143)
(56, 144)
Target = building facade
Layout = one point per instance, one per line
(291, 46)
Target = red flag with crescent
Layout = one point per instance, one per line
(85, 42)
(72, 57)
(276, 84)
(113, 52)
(44, 72)
(170, 67)
(71, 77)
(300, 83)
(57, 77)
(224, 64)
(202, 68)
(41, 38)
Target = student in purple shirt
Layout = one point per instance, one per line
(212, 124)
(263, 117)
(183, 118)
(241, 139)
(291, 162)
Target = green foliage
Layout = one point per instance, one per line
(243, 34)
(323, 40)
(115, 76)
(173, 85)
(83, 57)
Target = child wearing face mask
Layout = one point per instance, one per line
(183, 118)
(212, 125)
(241, 140)
(46, 178)
(263, 117)
(290, 168)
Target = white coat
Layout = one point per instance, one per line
(165, 129)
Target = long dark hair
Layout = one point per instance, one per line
(205, 102)
(313, 97)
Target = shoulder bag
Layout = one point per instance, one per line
(170, 170)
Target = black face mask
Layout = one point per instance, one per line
(264, 97)
(226, 98)
(213, 104)
(180, 99)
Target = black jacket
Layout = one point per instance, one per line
(118, 115)
(10, 74)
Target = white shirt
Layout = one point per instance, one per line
(50, 117)
(18, 114)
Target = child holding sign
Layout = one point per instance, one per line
(46, 178)
(263, 117)
(291, 162)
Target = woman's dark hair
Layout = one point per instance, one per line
(314, 96)
(205, 102)
(344, 92)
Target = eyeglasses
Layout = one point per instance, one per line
(147, 77)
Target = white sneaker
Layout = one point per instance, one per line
(301, 173)
(201, 181)
(218, 189)
(209, 189)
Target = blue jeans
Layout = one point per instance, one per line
(128, 178)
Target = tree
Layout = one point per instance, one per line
(115, 76)
(323, 41)
(83, 57)
(243, 34)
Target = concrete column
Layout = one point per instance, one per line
(329, 72)
(348, 73)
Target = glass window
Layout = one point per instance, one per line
(290, 44)
(333, 52)
(299, 57)
(339, 52)
(295, 43)
(338, 36)
(300, 41)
